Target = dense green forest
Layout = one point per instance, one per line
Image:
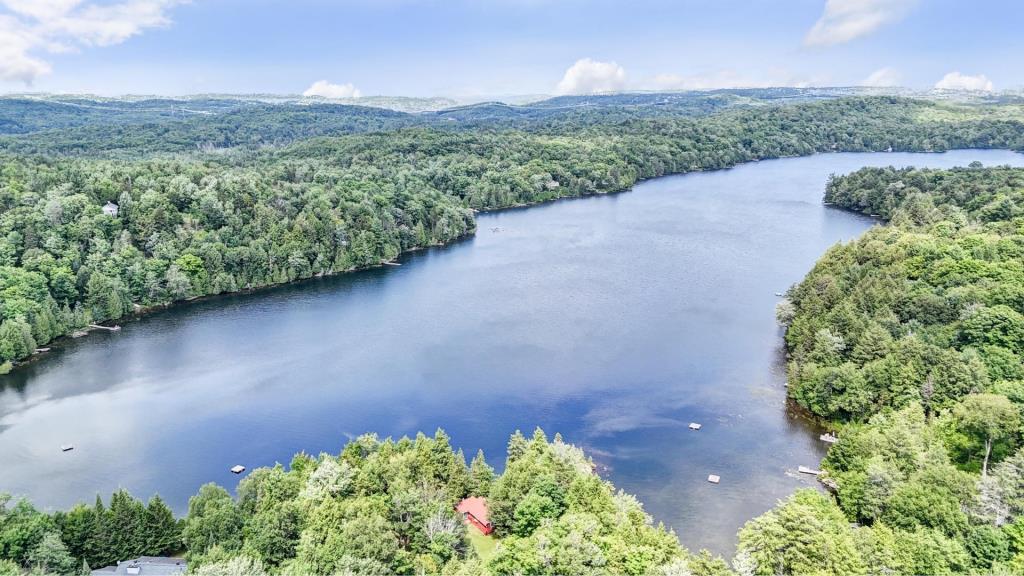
(262, 195)
(908, 341)
(379, 507)
(911, 341)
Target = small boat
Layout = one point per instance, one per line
(694, 426)
(806, 470)
(237, 469)
(714, 479)
(67, 447)
(828, 438)
(779, 294)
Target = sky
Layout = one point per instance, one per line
(479, 48)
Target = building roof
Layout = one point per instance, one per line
(476, 506)
(146, 566)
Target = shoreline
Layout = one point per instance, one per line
(142, 311)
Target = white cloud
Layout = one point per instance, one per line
(325, 89)
(958, 81)
(882, 77)
(28, 27)
(15, 62)
(588, 76)
(845, 20)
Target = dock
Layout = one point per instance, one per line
(714, 479)
(828, 438)
(806, 470)
(779, 294)
(67, 447)
(107, 328)
(386, 263)
(694, 426)
(237, 469)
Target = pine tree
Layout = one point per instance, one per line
(162, 535)
(98, 546)
(516, 447)
(128, 525)
(481, 475)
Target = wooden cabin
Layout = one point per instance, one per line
(474, 510)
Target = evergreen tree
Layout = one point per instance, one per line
(162, 532)
(480, 475)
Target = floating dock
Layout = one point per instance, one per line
(714, 479)
(67, 447)
(806, 470)
(237, 469)
(694, 426)
(107, 328)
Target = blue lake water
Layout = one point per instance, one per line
(615, 320)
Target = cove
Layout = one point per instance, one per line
(614, 320)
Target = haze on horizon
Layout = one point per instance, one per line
(472, 50)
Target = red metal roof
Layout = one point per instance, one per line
(476, 506)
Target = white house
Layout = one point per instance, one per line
(110, 209)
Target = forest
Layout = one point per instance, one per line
(378, 507)
(263, 195)
(909, 341)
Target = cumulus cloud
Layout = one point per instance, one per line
(882, 77)
(325, 89)
(588, 76)
(958, 81)
(845, 20)
(29, 29)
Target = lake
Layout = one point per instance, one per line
(614, 320)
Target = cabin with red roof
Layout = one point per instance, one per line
(474, 510)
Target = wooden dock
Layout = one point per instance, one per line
(806, 470)
(694, 426)
(107, 328)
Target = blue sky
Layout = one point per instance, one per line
(479, 48)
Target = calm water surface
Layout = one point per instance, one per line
(614, 320)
